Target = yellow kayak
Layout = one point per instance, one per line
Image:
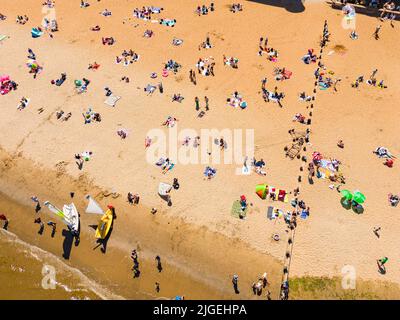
(104, 225)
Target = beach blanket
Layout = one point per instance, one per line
(237, 209)
(112, 100)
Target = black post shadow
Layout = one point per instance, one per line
(67, 243)
(294, 6)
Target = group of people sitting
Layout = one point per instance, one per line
(210, 172)
(298, 117)
(93, 66)
(304, 97)
(275, 96)
(60, 80)
(106, 13)
(23, 103)
(91, 116)
(84, 4)
(108, 40)
(165, 164)
(204, 10)
(123, 133)
(168, 22)
(259, 166)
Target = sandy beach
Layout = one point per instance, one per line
(202, 245)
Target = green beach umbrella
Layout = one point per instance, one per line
(346, 194)
(359, 197)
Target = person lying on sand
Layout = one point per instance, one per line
(236, 7)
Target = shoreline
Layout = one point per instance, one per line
(186, 260)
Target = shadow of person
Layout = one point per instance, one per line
(294, 6)
(67, 243)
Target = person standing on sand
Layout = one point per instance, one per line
(157, 287)
(376, 33)
(197, 102)
(207, 101)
